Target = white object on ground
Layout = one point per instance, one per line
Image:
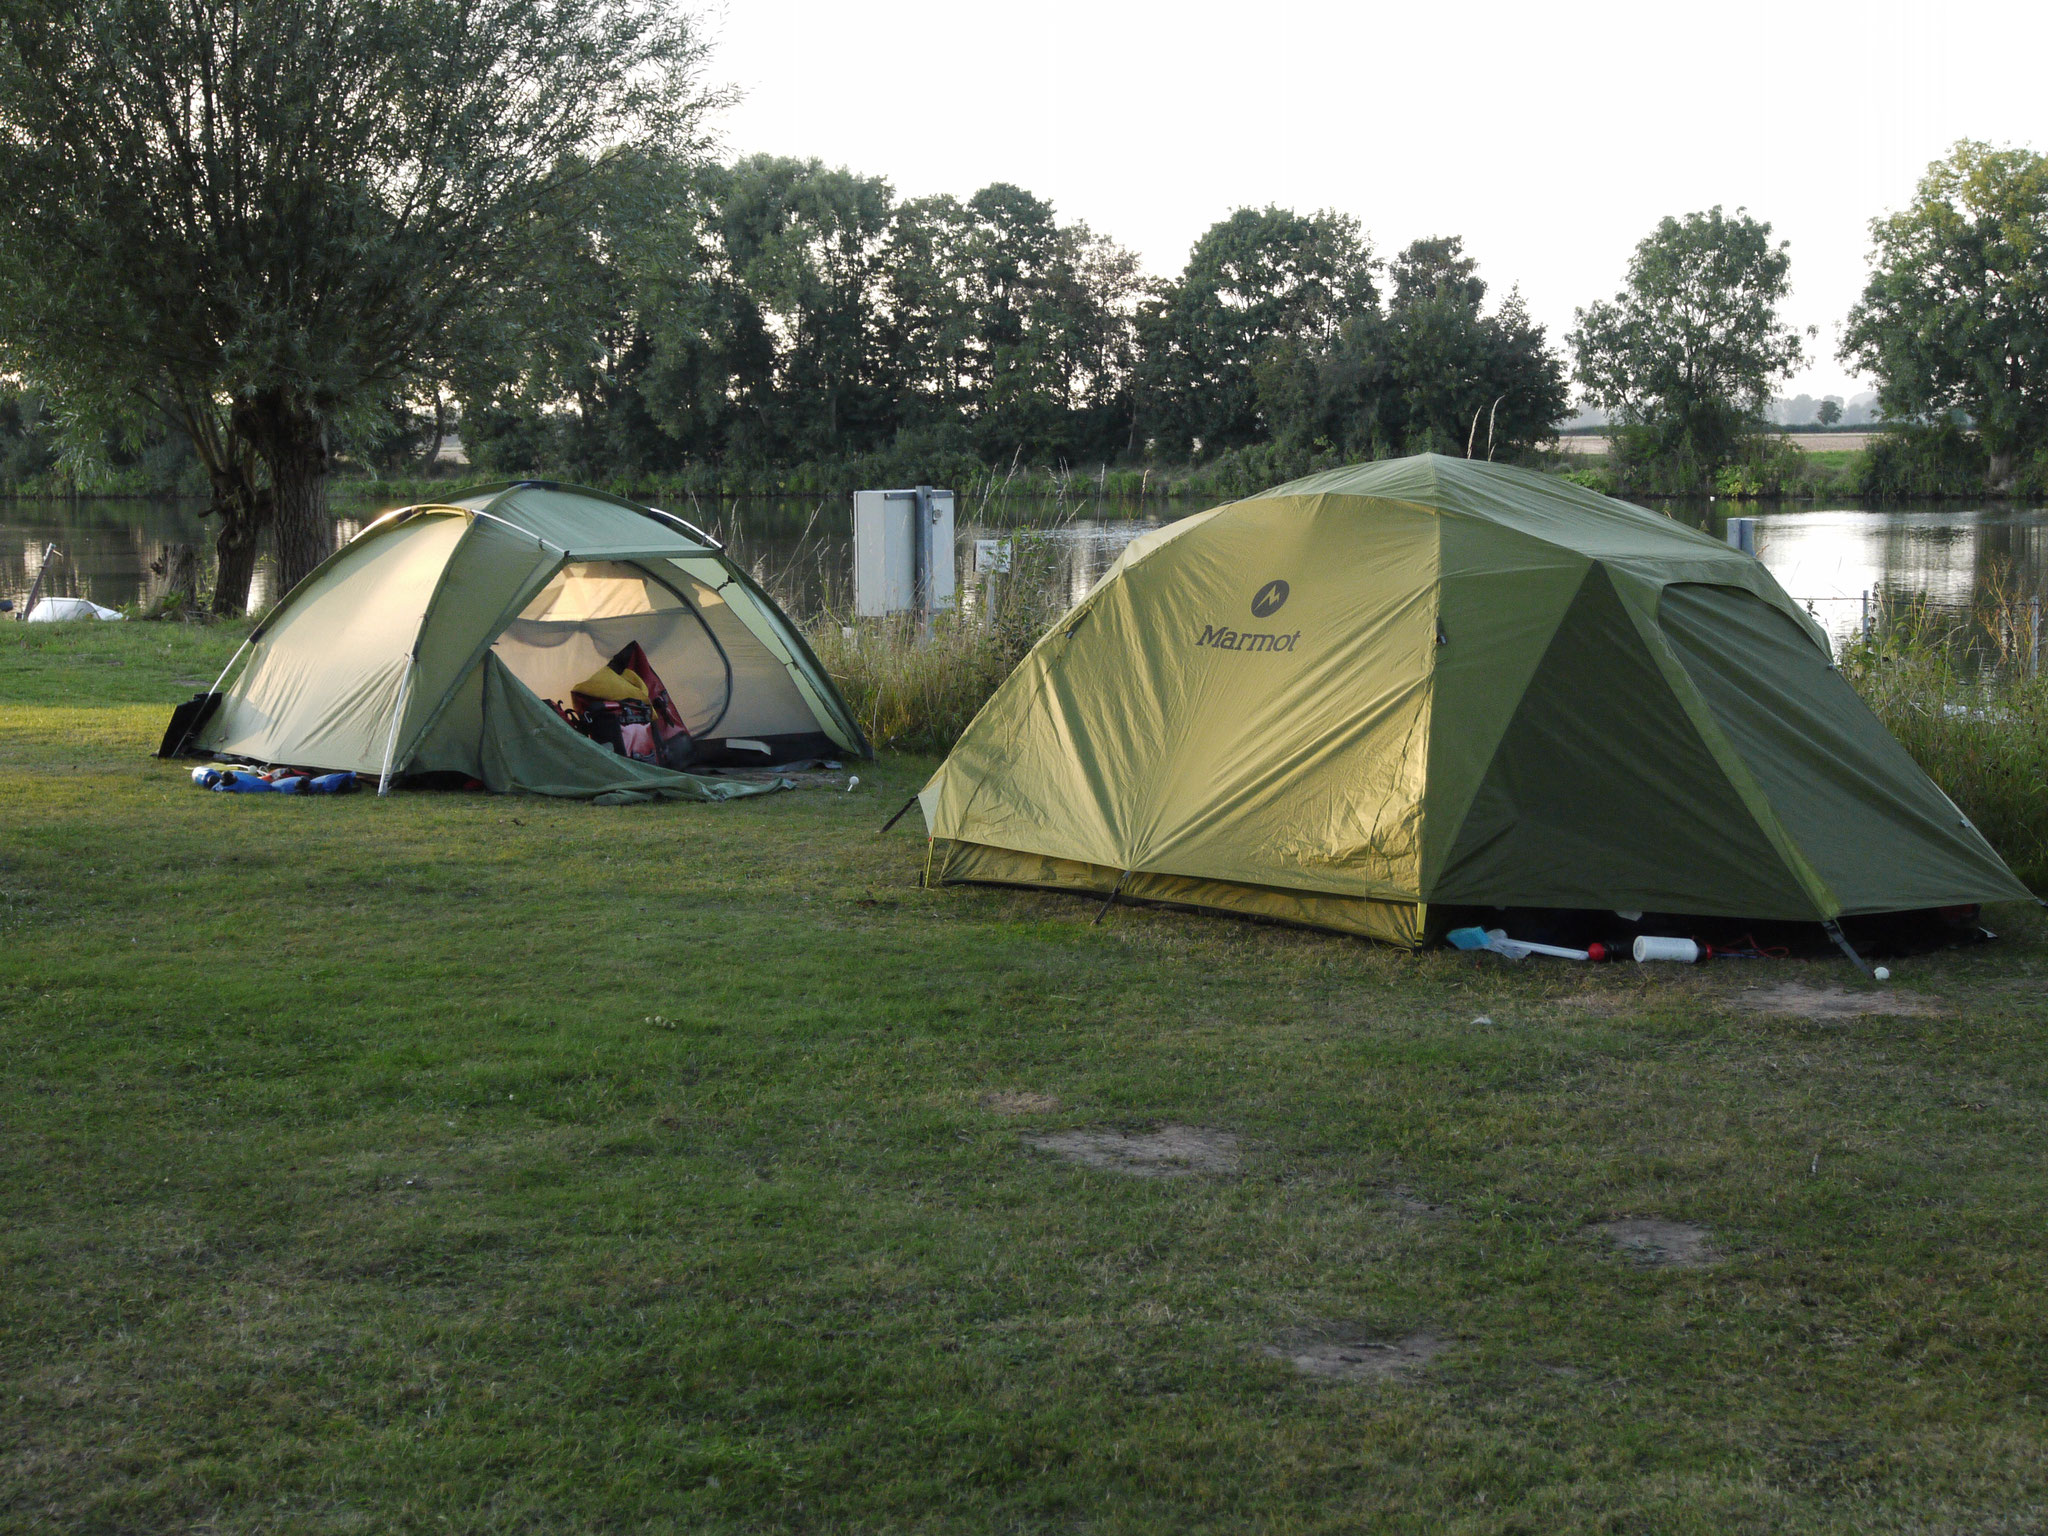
(53, 610)
(1682, 950)
(853, 783)
(1552, 949)
(1498, 941)
(1882, 973)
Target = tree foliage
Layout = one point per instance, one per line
(1954, 319)
(1689, 351)
(293, 210)
(1432, 373)
(780, 311)
(1259, 280)
(296, 230)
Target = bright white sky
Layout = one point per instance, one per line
(1551, 138)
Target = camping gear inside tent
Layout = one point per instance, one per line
(466, 638)
(1428, 683)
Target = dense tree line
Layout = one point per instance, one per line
(778, 311)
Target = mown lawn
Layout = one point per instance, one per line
(461, 1164)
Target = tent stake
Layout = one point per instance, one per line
(899, 815)
(1120, 879)
(1835, 932)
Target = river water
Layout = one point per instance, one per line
(1830, 558)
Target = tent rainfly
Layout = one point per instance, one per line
(1434, 682)
(431, 640)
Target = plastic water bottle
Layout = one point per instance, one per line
(329, 784)
(205, 776)
(1684, 951)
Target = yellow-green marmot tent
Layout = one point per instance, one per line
(430, 642)
(1435, 682)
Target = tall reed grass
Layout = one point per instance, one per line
(979, 485)
(917, 696)
(912, 693)
(1961, 694)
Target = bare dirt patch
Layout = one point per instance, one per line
(1659, 1244)
(1605, 1005)
(1173, 1151)
(1795, 999)
(1359, 1359)
(1407, 1203)
(1020, 1103)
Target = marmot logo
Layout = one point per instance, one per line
(1267, 600)
(1230, 640)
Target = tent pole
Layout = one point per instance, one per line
(1113, 892)
(1835, 932)
(224, 671)
(391, 740)
(42, 570)
(899, 815)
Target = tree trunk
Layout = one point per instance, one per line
(1998, 473)
(235, 565)
(178, 565)
(293, 444)
(440, 436)
(243, 511)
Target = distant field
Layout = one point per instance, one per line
(1806, 442)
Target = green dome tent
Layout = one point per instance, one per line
(1432, 682)
(431, 640)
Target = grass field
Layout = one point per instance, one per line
(450, 1163)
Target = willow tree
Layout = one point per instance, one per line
(288, 210)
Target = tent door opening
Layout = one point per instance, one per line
(586, 623)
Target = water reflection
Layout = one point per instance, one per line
(1846, 564)
(1070, 555)
(803, 549)
(116, 551)
(102, 549)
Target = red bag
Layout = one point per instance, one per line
(672, 745)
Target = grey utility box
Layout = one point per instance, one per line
(902, 552)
